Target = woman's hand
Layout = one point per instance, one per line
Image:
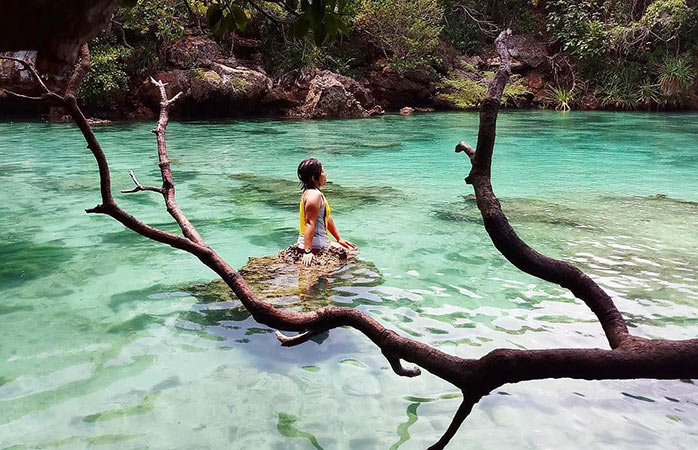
(346, 244)
(307, 259)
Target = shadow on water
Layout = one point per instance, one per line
(523, 210)
(28, 260)
(285, 194)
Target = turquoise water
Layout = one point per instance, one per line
(104, 346)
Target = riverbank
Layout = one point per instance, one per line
(219, 84)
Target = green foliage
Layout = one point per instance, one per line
(666, 14)
(562, 97)
(108, 76)
(619, 88)
(676, 75)
(324, 19)
(407, 31)
(648, 94)
(294, 54)
(469, 94)
(580, 27)
(162, 19)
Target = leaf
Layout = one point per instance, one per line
(240, 17)
(320, 33)
(292, 4)
(301, 26)
(317, 11)
(343, 28)
(214, 16)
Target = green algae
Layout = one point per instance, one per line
(286, 427)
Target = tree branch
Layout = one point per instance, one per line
(503, 235)
(461, 414)
(140, 187)
(168, 187)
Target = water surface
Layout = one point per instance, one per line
(103, 345)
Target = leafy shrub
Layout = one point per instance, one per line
(648, 95)
(468, 94)
(108, 76)
(579, 26)
(407, 31)
(161, 19)
(666, 14)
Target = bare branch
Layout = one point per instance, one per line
(397, 367)
(31, 69)
(139, 187)
(79, 73)
(168, 187)
(292, 341)
(461, 414)
(631, 357)
(26, 97)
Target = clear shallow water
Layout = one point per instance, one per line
(103, 347)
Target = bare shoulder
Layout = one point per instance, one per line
(313, 196)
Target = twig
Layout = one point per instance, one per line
(139, 187)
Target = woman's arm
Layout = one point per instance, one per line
(333, 231)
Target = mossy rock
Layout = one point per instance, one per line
(280, 280)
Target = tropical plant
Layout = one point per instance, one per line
(579, 26)
(163, 20)
(648, 95)
(617, 95)
(676, 75)
(562, 97)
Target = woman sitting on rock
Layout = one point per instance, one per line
(315, 213)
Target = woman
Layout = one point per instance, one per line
(315, 213)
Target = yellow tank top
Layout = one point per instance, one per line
(301, 210)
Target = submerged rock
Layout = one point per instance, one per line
(282, 281)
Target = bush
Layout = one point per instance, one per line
(108, 76)
(579, 26)
(162, 19)
(407, 31)
(468, 94)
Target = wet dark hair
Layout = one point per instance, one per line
(309, 172)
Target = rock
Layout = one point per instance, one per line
(56, 114)
(528, 51)
(218, 90)
(280, 280)
(534, 81)
(191, 52)
(93, 121)
(142, 113)
(331, 95)
(393, 90)
(406, 111)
